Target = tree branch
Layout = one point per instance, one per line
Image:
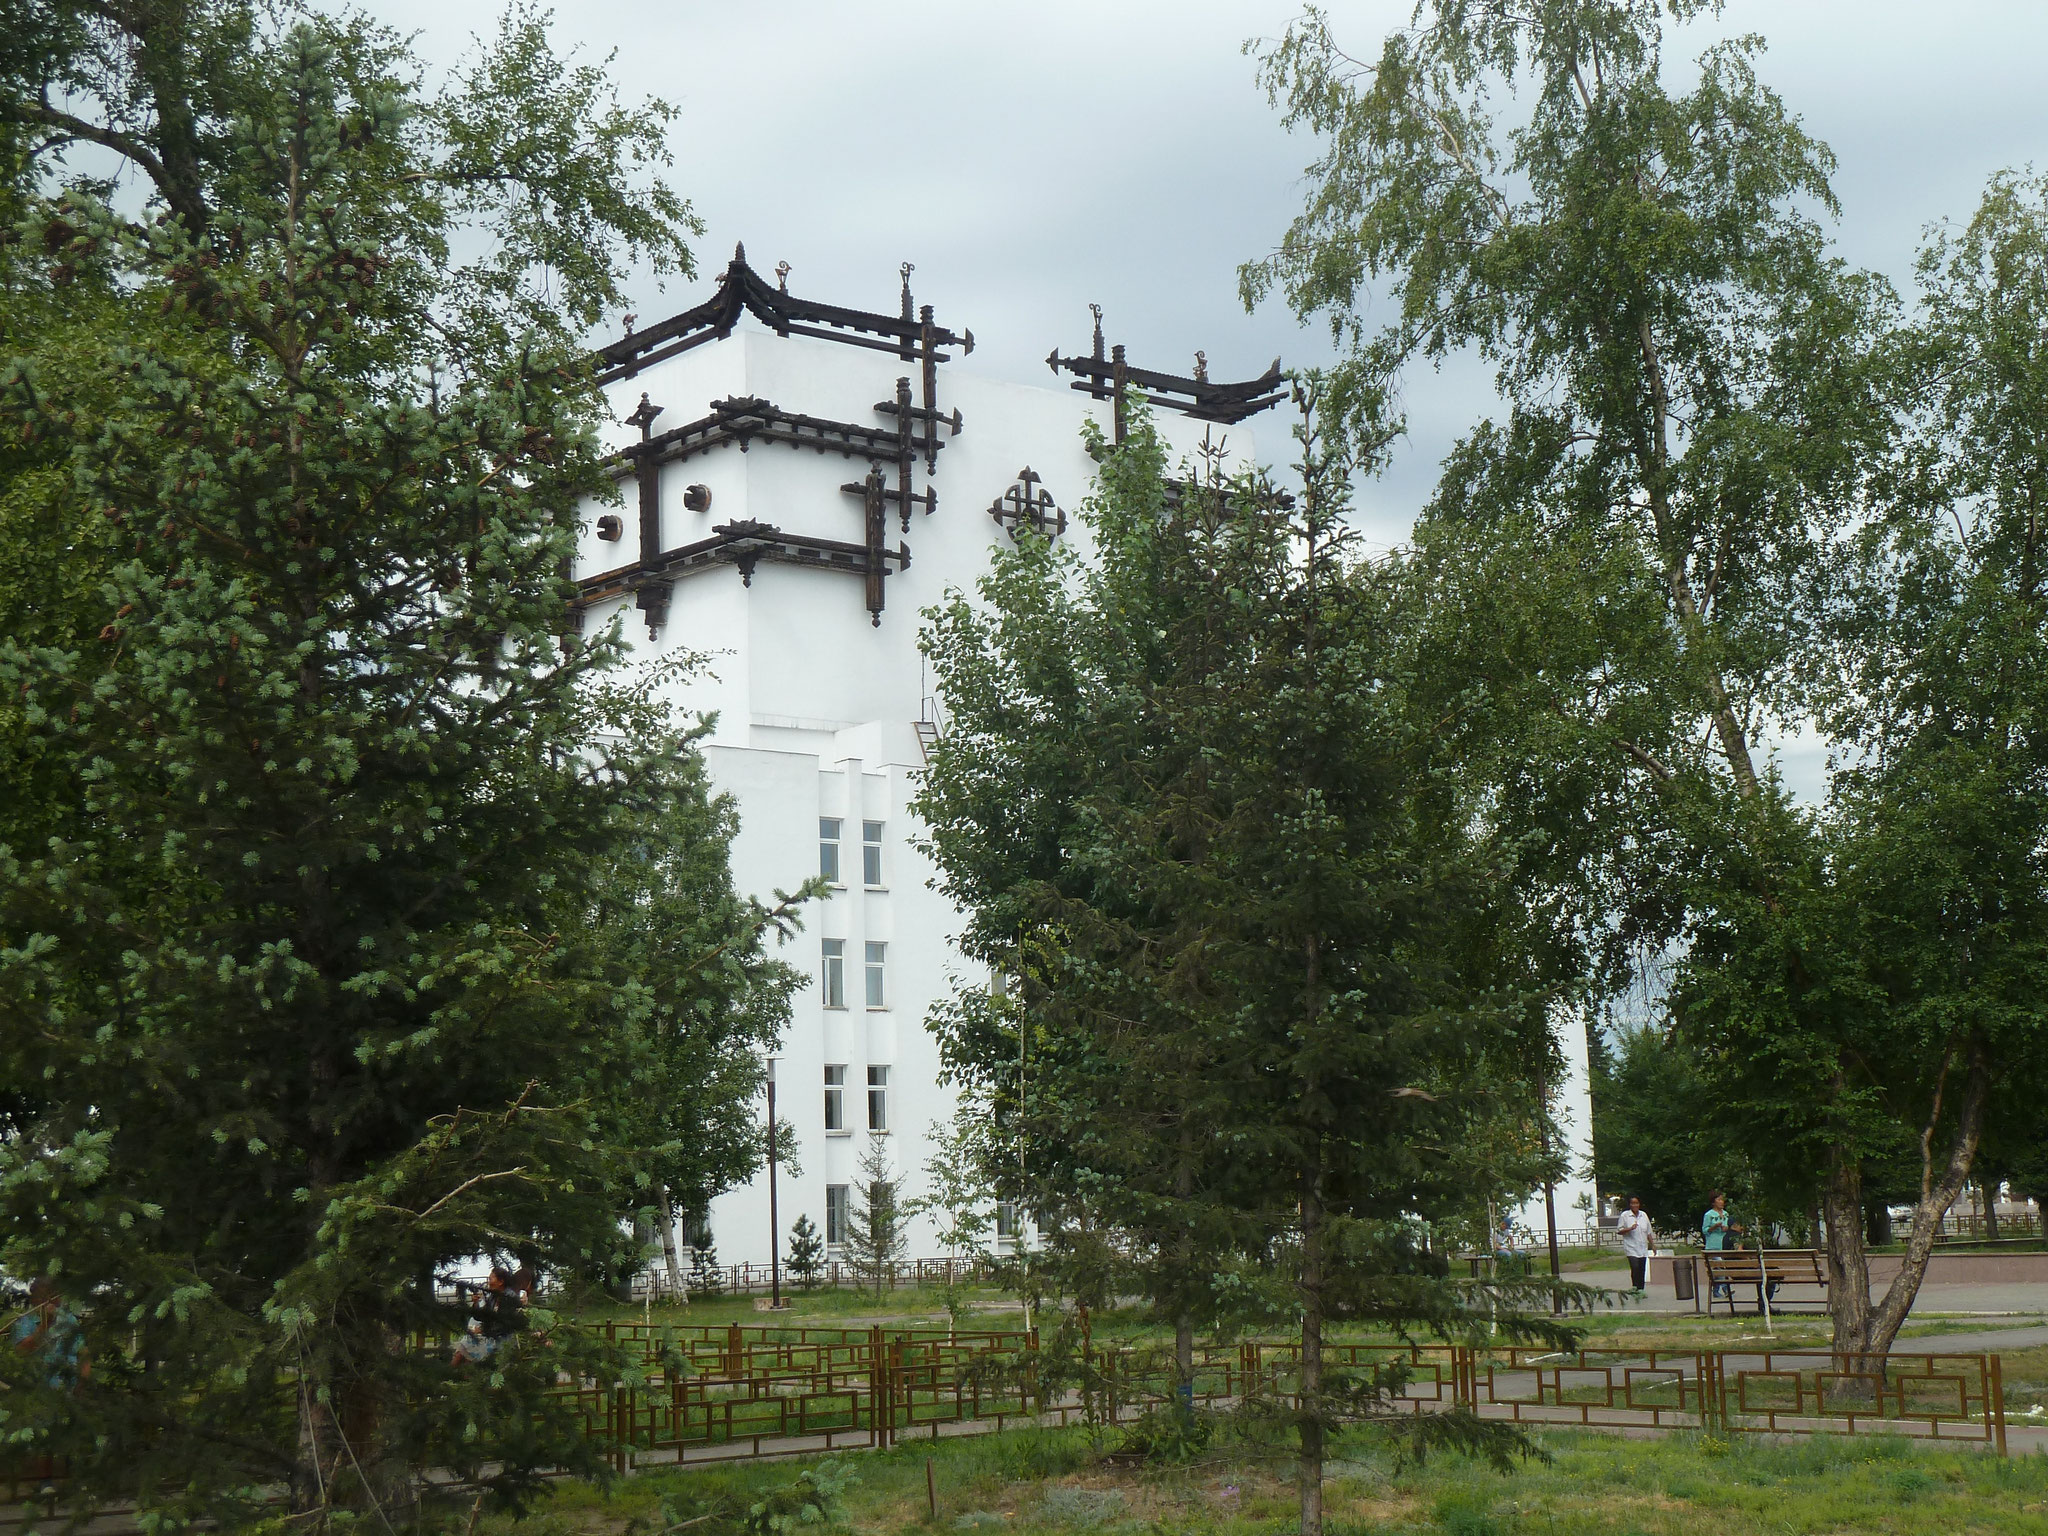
(182, 200)
(468, 1184)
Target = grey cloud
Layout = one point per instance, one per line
(1032, 157)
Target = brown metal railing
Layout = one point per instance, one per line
(716, 1392)
(766, 1391)
(734, 1279)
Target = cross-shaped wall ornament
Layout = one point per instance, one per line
(1029, 502)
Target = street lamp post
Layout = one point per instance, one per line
(774, 1220)
(1549, 1187)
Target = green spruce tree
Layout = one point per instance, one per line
(707, 1275)
(326, 982)
(875, 1235)
(806, 1252)
(1275, 982)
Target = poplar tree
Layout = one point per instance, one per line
(329, 978)
(1188, 801)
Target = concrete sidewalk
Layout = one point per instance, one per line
(2012, 1299)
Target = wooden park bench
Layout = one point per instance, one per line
(1779, 1269)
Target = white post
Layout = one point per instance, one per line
(1763, 1286)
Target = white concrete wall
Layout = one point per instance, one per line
(1572, 1103)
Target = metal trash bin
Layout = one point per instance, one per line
(1685, 1279)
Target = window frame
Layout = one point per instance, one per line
(835, 1100)
(878, 1097)
(875, 976)
(830, 868)
(871, 871)
(832, 979)
(838, 1213)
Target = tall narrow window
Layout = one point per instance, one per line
(878, 1098)
(871, 853)
(835, 1098)
(1006, 1221)
(835, 973)
(828, 848)
(878, 996)
(838, 1201)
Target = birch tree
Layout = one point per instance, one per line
(1694, 397)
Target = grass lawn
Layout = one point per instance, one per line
(986, 1307)
(2025, 1370)
(1047, 1481)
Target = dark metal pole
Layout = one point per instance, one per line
(1549, 1189)
(1550, 1215)
(774, 1221)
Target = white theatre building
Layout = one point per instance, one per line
(801, 480)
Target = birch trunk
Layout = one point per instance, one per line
(669, 1259)
(1863, 1333)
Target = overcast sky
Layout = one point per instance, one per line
(1032, 157)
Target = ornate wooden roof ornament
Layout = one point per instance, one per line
(1103, 377)
(913, 430)
(744, 544)
(911, 335)
(1027, 504)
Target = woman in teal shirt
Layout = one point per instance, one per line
(1715, 1228)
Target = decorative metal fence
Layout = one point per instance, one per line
(741, 1279)
(761, 1391)
(724, 1392)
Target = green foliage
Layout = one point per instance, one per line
(1685, 376)
(1870, 976)
(1168, 1436)
(534, 186)
(806, 1252)
(815, 1499)
(1466, 1512)
(1272, 1001)
(1718, 506)
(958, 1194)
(380, 910)
(1660, 1132)
(875, 1227)
(707, 1278)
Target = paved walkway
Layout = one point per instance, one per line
(2023, 1300)
(2020, 1334)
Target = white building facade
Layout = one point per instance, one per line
(1571, 1107)
(800, 481)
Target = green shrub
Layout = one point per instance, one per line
(1170, 1435)
(816, 1498)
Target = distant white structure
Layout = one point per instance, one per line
(1571, 1102)
(802, 479)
